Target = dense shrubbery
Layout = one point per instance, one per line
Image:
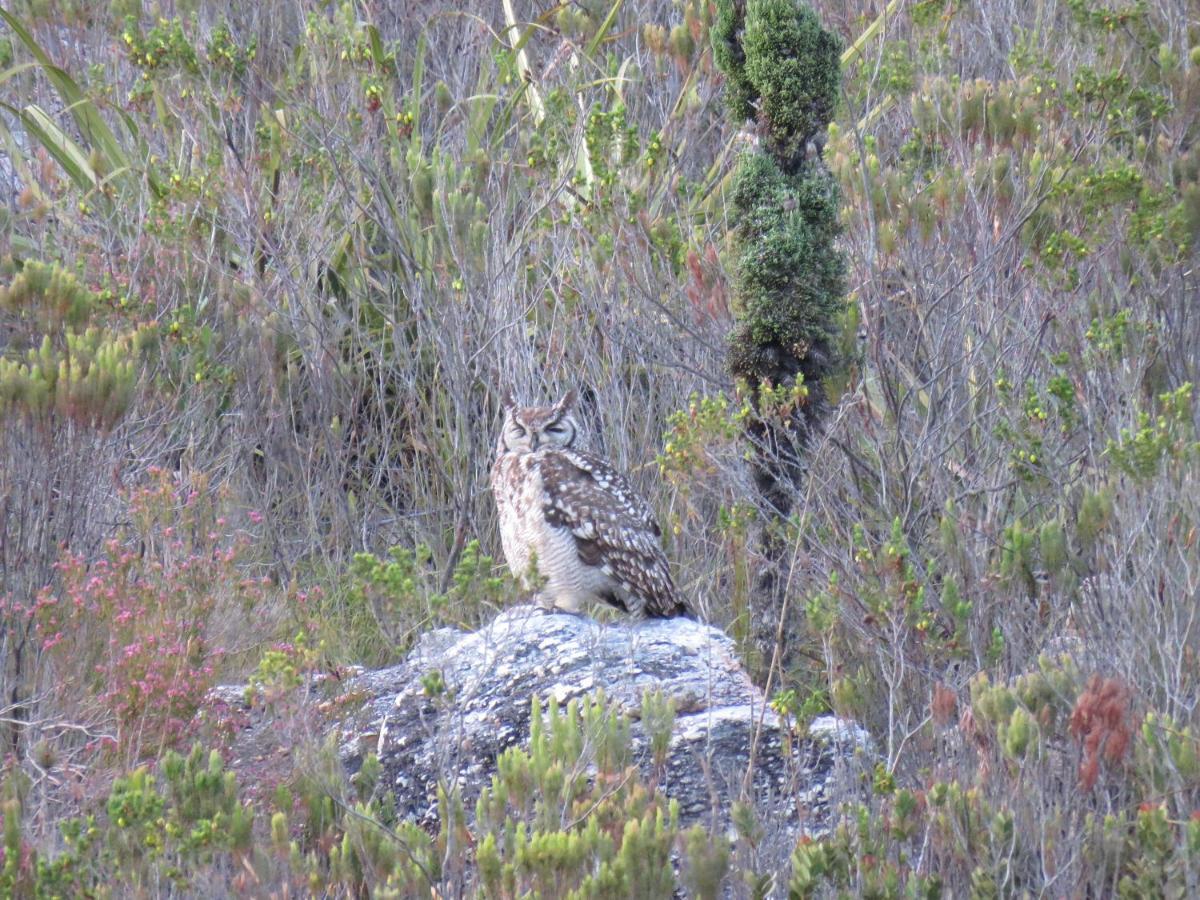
(570, 816)
(137, 629)
(264, 270)
(783, 72)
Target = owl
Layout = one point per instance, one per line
(572, 527)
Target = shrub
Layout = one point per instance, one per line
(790, 281)
(789, 277)
(136, 630)
(69, 376)
(977, 828)
(570, 816)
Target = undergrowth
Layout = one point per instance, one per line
(266, 271)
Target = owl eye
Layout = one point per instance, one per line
(518, 430)
(561, 432)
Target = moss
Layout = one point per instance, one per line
(782, 68)
(731, 59)
(790, 280)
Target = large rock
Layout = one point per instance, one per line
(490, 676)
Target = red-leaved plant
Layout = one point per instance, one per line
(133, 631)
(1102, 725)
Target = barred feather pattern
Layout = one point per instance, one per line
(573, 527)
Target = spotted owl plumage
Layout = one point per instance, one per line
(572, 526)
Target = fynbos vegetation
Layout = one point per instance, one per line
(888, 311)
(783, 74)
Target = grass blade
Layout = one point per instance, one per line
(64, 151)
(523, 69)
(87, 117)
(601, 32)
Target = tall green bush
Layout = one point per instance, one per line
(783, 72)
(782, 69)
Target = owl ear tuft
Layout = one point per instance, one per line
(567, 402)
(507, 401)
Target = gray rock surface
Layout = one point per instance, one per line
(491, 675)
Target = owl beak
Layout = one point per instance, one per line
(533, 441)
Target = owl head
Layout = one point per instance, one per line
(530, 428)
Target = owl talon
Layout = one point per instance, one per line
(549, 608)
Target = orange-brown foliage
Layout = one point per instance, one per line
(1101, 723)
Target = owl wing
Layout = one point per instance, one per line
(613, 527)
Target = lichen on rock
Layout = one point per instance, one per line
(461, 699)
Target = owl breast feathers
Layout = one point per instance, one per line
(572, 527)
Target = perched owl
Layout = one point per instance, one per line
(571, 525)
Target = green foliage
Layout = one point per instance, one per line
(784, 66)
(71, 372)
(794, 74)
(658, 719)
(692, 432)
(790, 280)
(621, 835)
(165, 47)
(48, 297)
(611, 141)
(282, 669)
(153, 831)
(1169, 436)
(91, 381)
(387, 601)
(708, 863)
(730, 56)
(570, 817)
(974, 829)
